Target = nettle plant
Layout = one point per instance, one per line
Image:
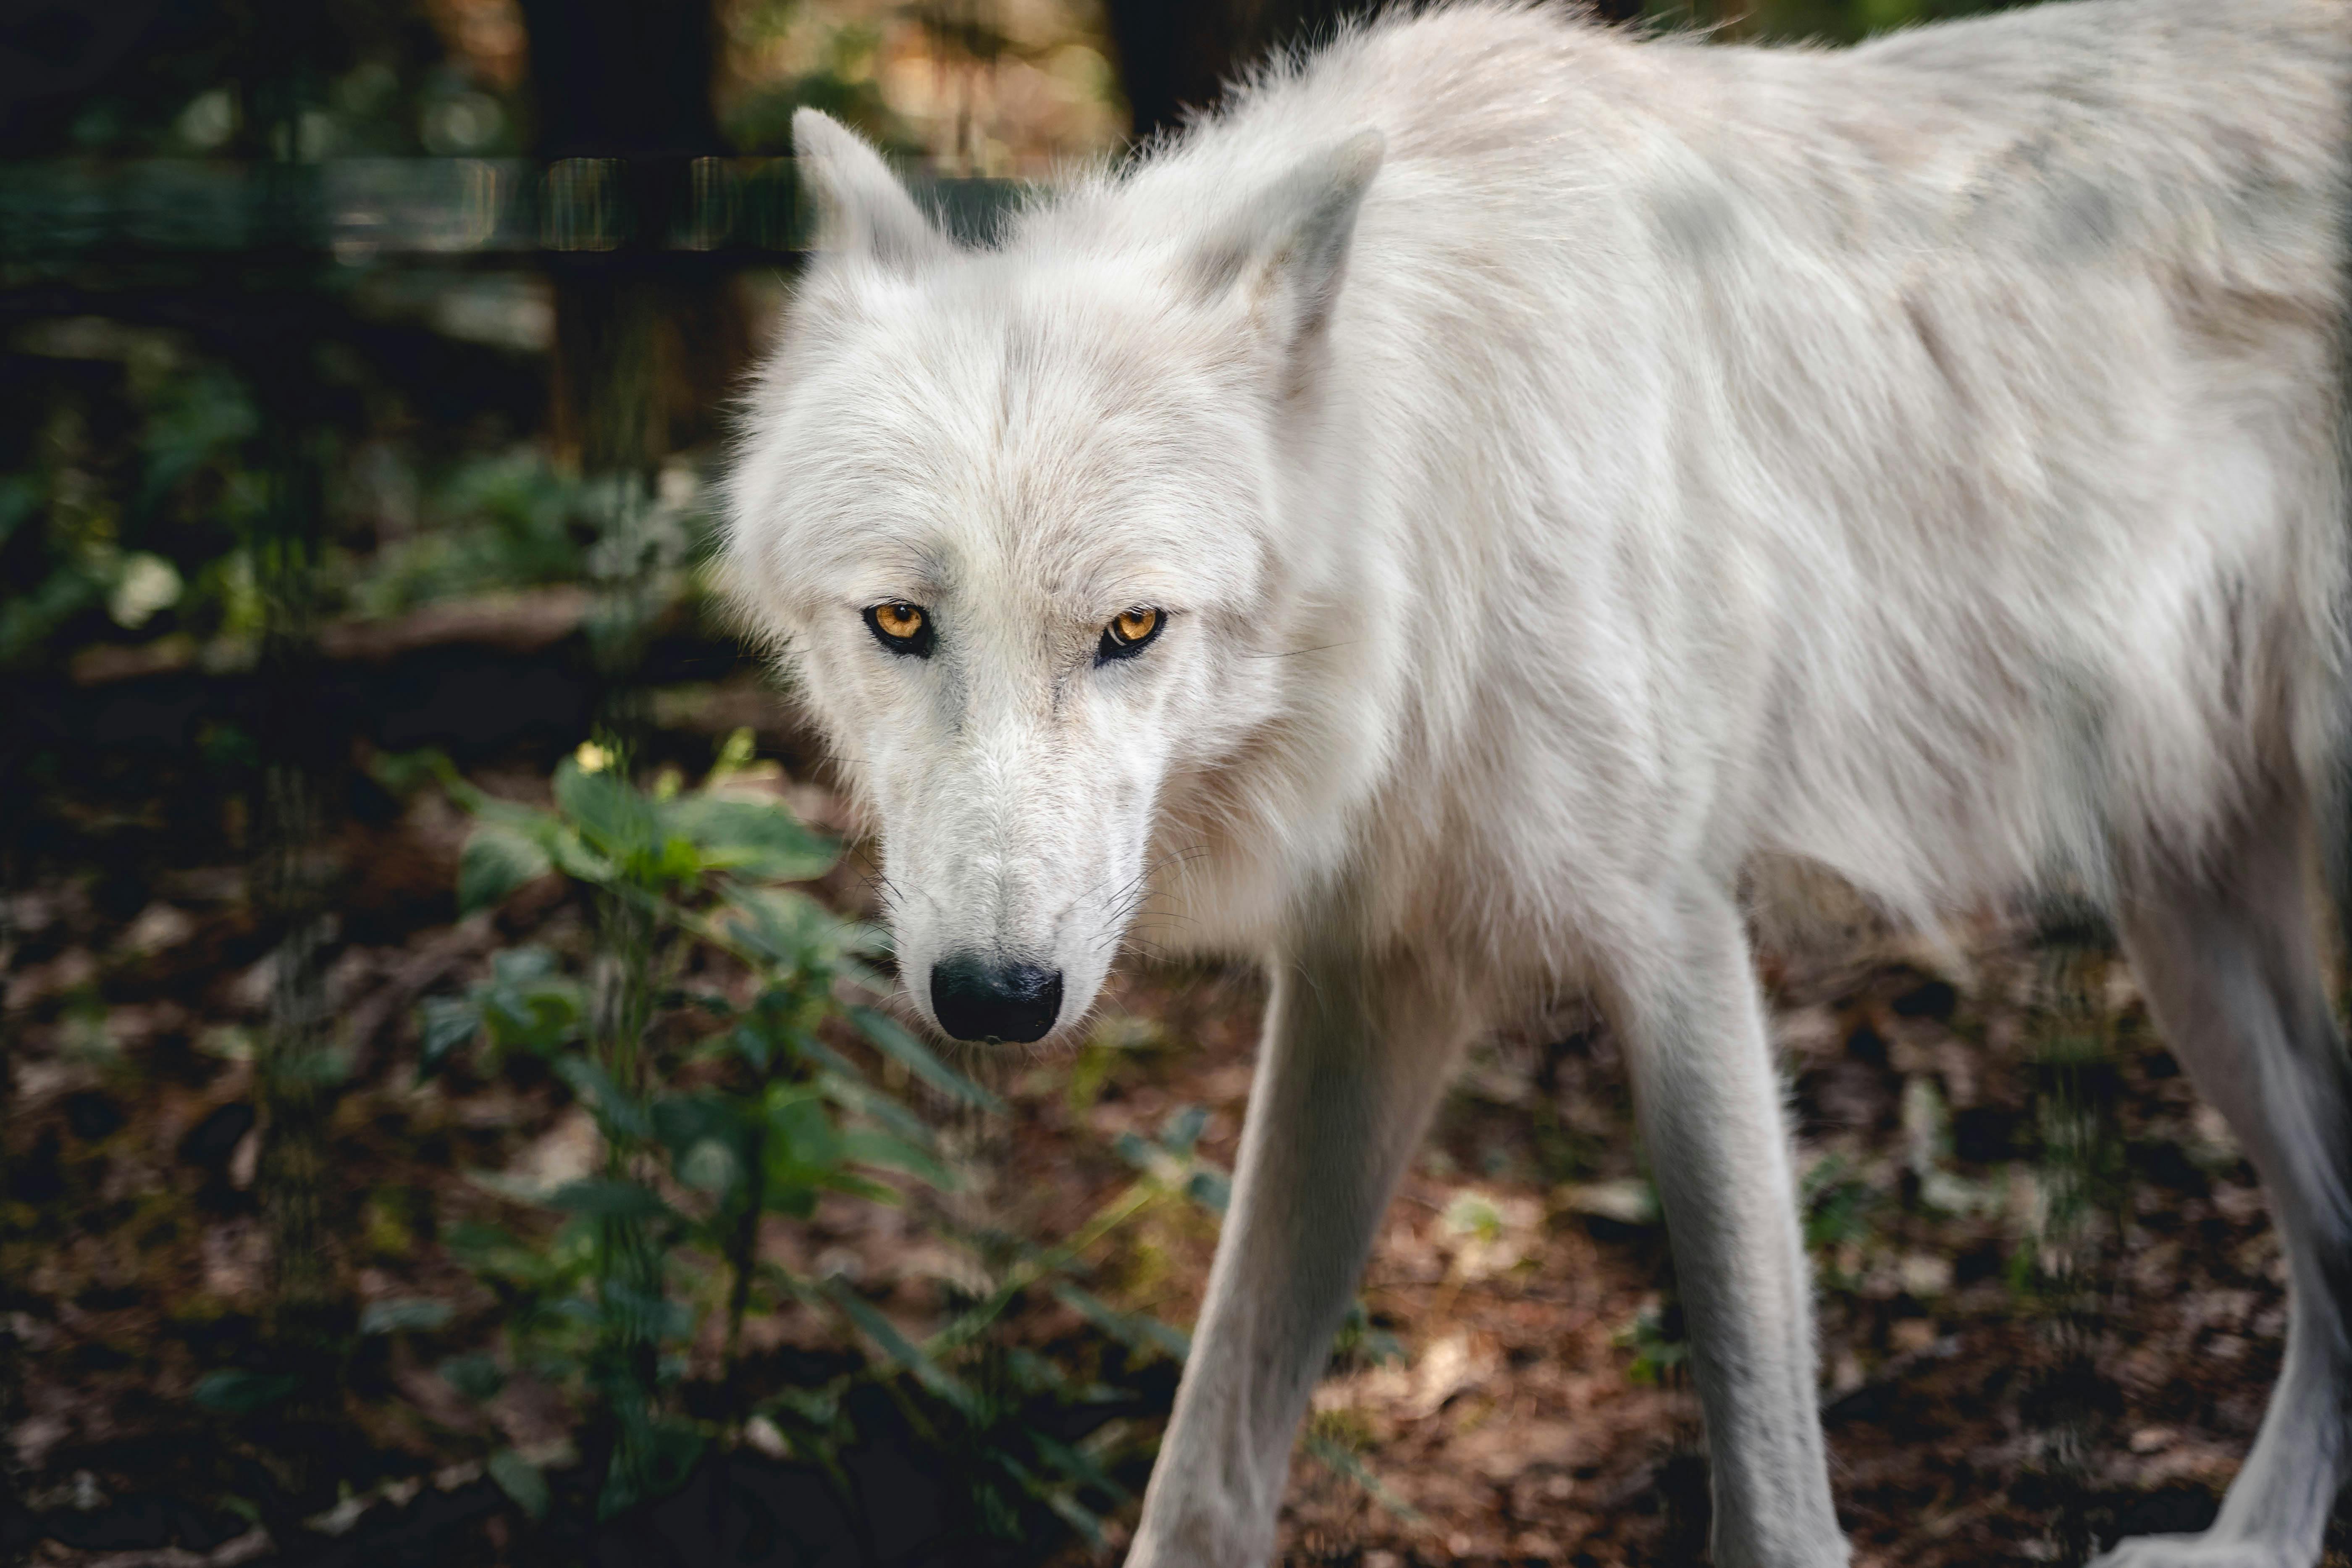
(758, 1112)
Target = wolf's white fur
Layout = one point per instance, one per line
(1572, 467)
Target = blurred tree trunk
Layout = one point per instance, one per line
(648, 340)
(648, 343)
(294, 869)
(1178, 55)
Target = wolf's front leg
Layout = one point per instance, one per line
(1708, 1103)
(1356, 1049)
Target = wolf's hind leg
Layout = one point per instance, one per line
(2229, 960)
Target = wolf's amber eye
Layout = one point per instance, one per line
(902, 627)
(1129, 632)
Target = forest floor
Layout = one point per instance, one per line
(2051, 1304)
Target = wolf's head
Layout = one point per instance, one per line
(1008, 513)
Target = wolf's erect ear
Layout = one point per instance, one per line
(1289, 247)
(862, 209)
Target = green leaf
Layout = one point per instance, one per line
(1339, 1460)
(856, 1095)
(811, 1409)
(528, 1005)
(786, 927)
(521, 1480)
(1077, 1465)
(896, 1043)
(575, 859)
(610, 813)
(1139, 1331)
(677, 863)
(801, 1135)
(1182, 1129)
(478, 1376)
(21, 496)
(868, 1147)
(522, 967)
(444, 1024)
(857, 1186)
(539, 1021)
(534, 823)
(653, 1459)
(753, 1044)
(1077, 1515)
(798, 1201)
(642, 1316)
(802, 1153)
(1212, 1190)
(755, 838)
(236, 1393)
(900, 1349)
(684, 1121)
(607, 1197)
(497, 860)
(618, 1114)
(405, 1313)
(492, 1250)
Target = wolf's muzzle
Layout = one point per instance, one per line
(975, 1000)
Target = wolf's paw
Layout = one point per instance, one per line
(2200, 1552)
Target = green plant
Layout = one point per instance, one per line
(1659, 1343)
(508, 520)
(125, 508)
(1841, 1212)
(757, 1116)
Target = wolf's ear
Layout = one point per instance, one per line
(861, 207)
(1287, 249)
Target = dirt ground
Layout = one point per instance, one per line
(2052, 1303)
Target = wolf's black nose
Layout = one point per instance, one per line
(976, 1000)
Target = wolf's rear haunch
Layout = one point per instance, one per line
(1432, 525)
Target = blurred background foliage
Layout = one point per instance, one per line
(128, 450)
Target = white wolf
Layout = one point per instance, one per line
(1432, 525)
